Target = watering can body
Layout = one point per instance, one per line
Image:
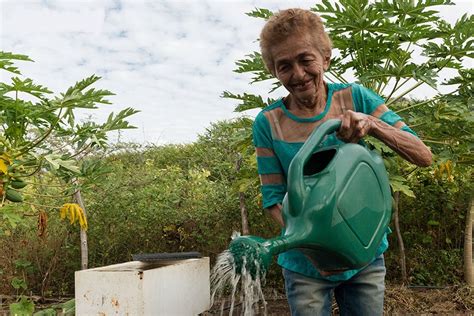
(338, 204)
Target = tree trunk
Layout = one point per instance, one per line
(84, 246)
(243, 212)
(243, 209)
(401, 246)
(468, 263)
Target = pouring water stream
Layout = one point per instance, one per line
(225, 274)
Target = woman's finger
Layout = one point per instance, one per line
(353, 131)
(343, 132)
(360, 128)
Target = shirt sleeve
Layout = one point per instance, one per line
(368, 102)
(273, 186)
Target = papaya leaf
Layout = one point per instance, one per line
(27, 86)
(249, 101)
(7, 64)
(115, 122)
(260, 13)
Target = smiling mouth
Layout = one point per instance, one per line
(303, 85)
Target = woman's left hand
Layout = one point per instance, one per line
(354, 126)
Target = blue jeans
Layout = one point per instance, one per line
(362, 294)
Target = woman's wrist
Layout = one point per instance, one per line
(374, 125)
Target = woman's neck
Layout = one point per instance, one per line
(301, 109)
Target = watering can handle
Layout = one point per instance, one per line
(295, 171)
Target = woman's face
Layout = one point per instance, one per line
(300, 68)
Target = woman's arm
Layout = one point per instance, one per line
(269, 168)
(356, 125)
(275, 213)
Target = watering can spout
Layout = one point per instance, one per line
(254, 254)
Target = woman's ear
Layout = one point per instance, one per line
(326, 62)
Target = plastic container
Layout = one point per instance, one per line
(144, 288)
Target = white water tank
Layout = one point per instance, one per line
(135, 288)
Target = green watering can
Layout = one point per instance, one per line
(336, 210)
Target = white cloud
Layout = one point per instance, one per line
(169, 59)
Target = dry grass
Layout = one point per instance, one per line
(422, 301)
(399, 300)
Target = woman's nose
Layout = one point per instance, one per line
(298, 72)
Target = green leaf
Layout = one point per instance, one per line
(118, 121)
(18, 283)
(260, 13)
(426, 75)
(7, 64)
(69, 307)
(56, 161)
(432, 222)
(76, 97)
(399, 184)
(427, 239)
(255, 65)
(12, 217)
(46, 312)
(24, 307)
(249, 101)
(22, 263)
(27, 86)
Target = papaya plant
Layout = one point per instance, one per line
(40, 136)
(395, 47)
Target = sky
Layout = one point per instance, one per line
(169, 59)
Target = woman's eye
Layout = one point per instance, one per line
(283, 68)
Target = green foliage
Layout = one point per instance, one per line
(18, 284)
(171, 198)
(255, 65)
(153, 199)
(24, 307)
(260, 13)
(435, 268)
(42, 149)
(249, 101)
(6, 62)
(46, 312)
(378, 42)
(40, 133)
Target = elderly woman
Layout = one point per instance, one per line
(297, 51)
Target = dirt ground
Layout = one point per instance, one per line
(399, 300)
